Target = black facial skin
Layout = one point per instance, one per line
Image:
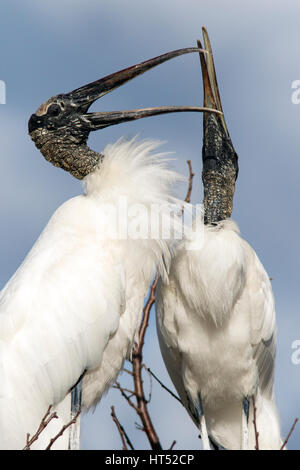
(61, 119)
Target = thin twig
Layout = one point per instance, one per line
(45, 421)
(132, 392)
(119, 387)
(255, 425)
(289, 434)
(163, 386)
(150, 377)
(122, 432)
(190, 186)
(146, 315)
(117, 423)
(172, 445)
(139, 427)
(127, 371)
(60, 433)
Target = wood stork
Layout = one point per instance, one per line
(74, 305)
(215, 315)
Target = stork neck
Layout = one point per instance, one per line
(77, 159)
(218, 196)
(219, 172)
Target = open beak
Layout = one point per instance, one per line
(85, 96)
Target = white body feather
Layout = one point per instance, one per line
(217, 333)
(75, 303)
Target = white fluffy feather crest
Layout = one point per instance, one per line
(137, 183)
(131, 167)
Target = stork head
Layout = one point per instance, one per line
(60, 127)
(220, 160)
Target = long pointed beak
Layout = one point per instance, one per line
(110, 118)
(217, 144)
(83, 97)
(211, 92)
(87, 94)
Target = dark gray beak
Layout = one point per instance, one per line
(85, 96)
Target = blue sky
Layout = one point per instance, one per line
(55, 46)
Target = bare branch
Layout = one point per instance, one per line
(172, 445)
(45, 421)
(119, 387)
(137, 359)
(255, 426)
(139, 427)
(122, 432)
(117, 423)
(163, 386)
(145, 319)
(127, 371)
(60, 433)
(289, 434)
(150, 377)
(190, 187)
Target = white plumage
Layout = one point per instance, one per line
(75, 303)
(217, 333)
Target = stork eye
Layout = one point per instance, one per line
(54, 110)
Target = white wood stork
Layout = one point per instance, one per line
(215, 316)
(74, 305)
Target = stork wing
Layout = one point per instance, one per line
(263, 323)
(57, 315)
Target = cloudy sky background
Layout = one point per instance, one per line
(52, 46)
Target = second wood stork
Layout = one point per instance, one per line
(216, 316)
(73, 307)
